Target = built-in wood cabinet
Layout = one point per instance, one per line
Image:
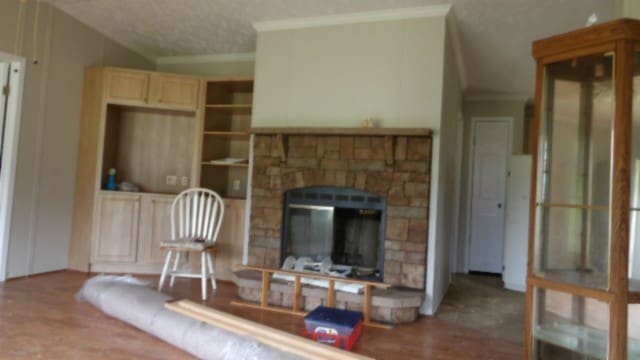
(152, 128)
(231, 239)
(225, 135)
(155, 226)
(116, 228)
(143, 88)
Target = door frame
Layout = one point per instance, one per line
(10, 153)
(474, 121)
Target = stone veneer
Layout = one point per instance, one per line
(395, 167)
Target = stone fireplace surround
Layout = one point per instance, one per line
(392, 163)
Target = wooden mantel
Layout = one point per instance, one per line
(336, 131)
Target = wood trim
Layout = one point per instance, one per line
(341, 131)
(585, 51)
(278, 339)
(602, 295)
(311, 276)
(533, 193)
(574, 206)
(633, 298)
(586, 37)
(620, 200)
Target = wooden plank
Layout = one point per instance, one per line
(367, 304)
(275, 338)
(282, 147)
(264, 297)
(312, 276)
(620, 200)
(268, 308)
(601, 295)
(331, 294)
(297, 294)
(342, 131)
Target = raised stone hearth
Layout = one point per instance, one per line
(395, 306)
(396, 167)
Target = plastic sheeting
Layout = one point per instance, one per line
(133, 301)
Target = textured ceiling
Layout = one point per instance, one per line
(495, 35)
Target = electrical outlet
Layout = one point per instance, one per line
(236, 185)
(184, 181)
(171, 179)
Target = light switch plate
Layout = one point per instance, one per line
(236, 185)
(184, 181)
(171, 179)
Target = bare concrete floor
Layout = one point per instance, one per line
(480, 302)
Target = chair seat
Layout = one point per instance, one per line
(187, 244)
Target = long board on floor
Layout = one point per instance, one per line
(278, 339)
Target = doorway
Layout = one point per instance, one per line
(490, 150)
(11, 86)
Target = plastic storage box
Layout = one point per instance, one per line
(337, 327)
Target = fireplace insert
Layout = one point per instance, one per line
(342, 224)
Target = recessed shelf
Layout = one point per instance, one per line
(226, 164)
(231, 108)
(227, 133)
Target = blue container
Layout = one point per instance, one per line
(331, 321)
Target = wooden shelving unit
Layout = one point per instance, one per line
(584, 234)
(227, 120)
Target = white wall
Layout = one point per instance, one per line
(45, 174)
(339, 75)
(443, 208)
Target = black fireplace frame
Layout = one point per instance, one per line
(340, 197)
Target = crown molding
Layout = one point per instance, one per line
(206, 58)
(362, 17)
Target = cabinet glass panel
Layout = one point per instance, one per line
(572, 235)
(633, 344)
(568, 326)
(634, 236)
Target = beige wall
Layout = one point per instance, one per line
(628, 8)
(474, 108)
(47, 151)
(212, 68)
(445, 174)
(339, 75)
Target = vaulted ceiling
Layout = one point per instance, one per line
(495, 35)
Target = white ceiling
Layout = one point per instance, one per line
(495, 35)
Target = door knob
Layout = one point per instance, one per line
(499, 205)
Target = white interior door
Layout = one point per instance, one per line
(490, 154)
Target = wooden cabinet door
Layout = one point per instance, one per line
(231, 239)
(155, 226)
(174, 91)
(126, 86)
(116, 228)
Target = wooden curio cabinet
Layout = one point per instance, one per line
(583, 284)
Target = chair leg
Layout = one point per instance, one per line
(212, 270)
(176, 262)
(164, 270)
(203, 266)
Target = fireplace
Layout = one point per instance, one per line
(386, 175)
(342, 224)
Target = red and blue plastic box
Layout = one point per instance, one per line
(337, 327)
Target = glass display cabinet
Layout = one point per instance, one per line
(583, 283)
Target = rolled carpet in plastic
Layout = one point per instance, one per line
(133, 301)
